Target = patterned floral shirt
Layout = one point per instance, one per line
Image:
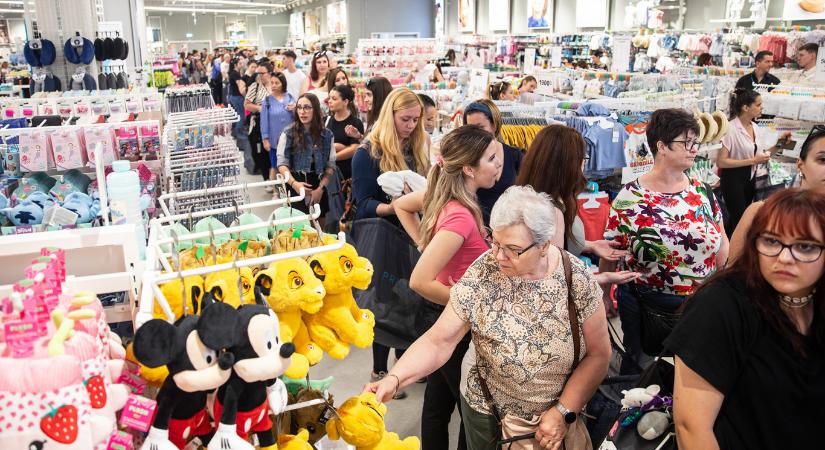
(521, 331)
(673, 238)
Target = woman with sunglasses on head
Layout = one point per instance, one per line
(750, 346)
(397, 142)
(502, 90)
(452, 234)
(671, 226)
(811, 165)
(317, 73)
(307, 155)
(745, 146)
(529, 324)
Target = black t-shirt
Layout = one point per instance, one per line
(249, 79)
(488, 197)
(773, 397)
(234, 77)
(340, 136)
(747, 81)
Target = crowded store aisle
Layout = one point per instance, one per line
(403, 416)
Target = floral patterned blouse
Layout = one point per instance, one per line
(673, 238)
(521, 332)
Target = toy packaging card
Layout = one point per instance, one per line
(105, 137)
(34, 151)
(68, 153)
(127, 143)
(47, 109)
(149, 141)
(116, 107)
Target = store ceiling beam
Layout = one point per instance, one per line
(194, 9)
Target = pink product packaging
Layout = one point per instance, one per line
(138, 413)
(149, 141)
(47, 109)
(34, 151)
(58, 255)
(82, 108)
(120, 440)
(68, 153)
(100, 135)
(20, 336)
(10, 112)
(127, 143)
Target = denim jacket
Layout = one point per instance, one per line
(300, 160)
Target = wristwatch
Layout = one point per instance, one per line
(569, 416)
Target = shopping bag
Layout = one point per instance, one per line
(393, 255)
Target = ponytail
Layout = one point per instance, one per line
(741, 98)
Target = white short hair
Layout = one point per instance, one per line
(523, 205)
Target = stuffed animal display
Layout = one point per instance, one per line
(360, 423)
(340, 322)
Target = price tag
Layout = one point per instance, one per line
(479, 82)
(544, 81)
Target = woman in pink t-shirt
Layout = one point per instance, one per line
(452, 235)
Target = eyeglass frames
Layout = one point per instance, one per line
(801, 251)
(509, 253)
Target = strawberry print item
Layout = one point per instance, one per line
(673, 238)
(97, 391)
(61, 424)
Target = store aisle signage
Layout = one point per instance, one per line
(529, 60)
(555, 57)
(479, 81)
(544, 81)
(621, 54)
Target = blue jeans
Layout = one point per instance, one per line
(631, 318)
(236, 101)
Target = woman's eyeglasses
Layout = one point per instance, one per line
(509, 253)
(801, 251)
(303, 108)
(689, 145)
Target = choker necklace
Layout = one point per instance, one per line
(796, 302)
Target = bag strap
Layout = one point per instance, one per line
(571, 309)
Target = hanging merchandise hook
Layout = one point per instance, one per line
(212, 248)
(178, 267)
(238, 273)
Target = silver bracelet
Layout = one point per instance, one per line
(397, 385)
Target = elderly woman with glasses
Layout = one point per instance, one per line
(750, 347)
(515, 300)
(672, 228)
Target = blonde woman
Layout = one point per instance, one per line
(452, 234)
(397, 142)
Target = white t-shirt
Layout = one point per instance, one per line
(294, 81)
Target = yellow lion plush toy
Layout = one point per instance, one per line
(223, 286)
(173, 291)
(360, 422)
(298, 441)
(341, 322)
(290, 287)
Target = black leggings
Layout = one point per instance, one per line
(441, 397)
(380, 355)
(737, 190)
(259, 153)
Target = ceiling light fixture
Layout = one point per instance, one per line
(11, 11)
(12, 2)
(235, 3)
(201, 10)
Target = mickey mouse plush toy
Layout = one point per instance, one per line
(243, 403)
(195, 352)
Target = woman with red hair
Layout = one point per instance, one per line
(750, 347)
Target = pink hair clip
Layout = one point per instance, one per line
(439, 160)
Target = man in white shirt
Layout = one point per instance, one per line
(806, 57)
(294, 77)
